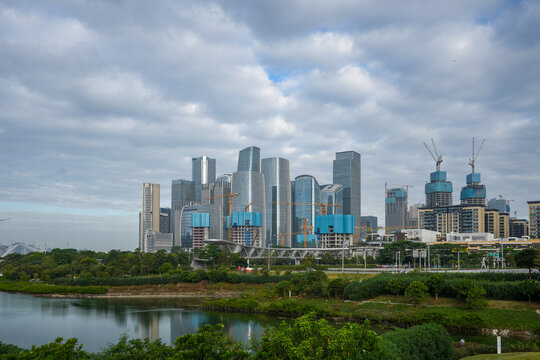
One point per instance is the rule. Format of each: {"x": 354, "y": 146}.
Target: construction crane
{"x": 227, "y": 196}
{"x": 322, "y": 205}
{"x": 474, "y": 157}
{"x": 249, "y": 205}
{"x": 360, "y": 227}
{"x": 438, "y": 159}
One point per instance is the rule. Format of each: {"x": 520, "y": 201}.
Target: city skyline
{"x": 94, "y": 103}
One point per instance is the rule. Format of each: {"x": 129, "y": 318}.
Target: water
{"x": 27, "y": 320}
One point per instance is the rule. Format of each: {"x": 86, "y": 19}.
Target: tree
{"x": 210, "y": 342}
{"x": 136, "y": 349}
{"x": 165, "y": 268}
{"x": 525, "y": 259}
{"x": 309, "y": 261}
{"x": 396, "y": 286}
{"x": 417, "y": 292}
{"x": 529, "y": 288}
{"x": 436, "y": 284}
{"x": 476, "y": 297}
{"x": 53, "y": 350}
{"x": 336, "y": 287}
{"x": 308, "y": 338}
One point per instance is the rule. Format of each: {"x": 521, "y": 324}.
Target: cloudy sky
{"x": 97, "y": 97}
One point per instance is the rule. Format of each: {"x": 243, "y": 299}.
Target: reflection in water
{"x": 27, "y": 320}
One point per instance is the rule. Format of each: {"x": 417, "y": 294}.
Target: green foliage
{"x": 8, "y": 349}
{"x": 428, "y": 341}
{"x": 36, "y": 288}
{"x": 336, "y": 287}
{"x": 309, "y": 261}
{"x": 232, "y": 304}
{"x": 209, "y": 343}
{"x": 136, "y": 349}
{"x": 476, "y": 297}
{"x": 462, "y": 287}
{"x": 282, "y": 288}
{"x": 525, "y": 259}
{"x": 68, "y": 350}
{"x": 529, "y": 288}
{"x": 396, "y": 286}
{"x": 436, "y": 284}
{"x": 24, "y": 276}
{"x": 308, "y": 338}
{"x": 416, "y": 292}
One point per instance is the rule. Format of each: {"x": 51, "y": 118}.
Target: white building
{"x": 156, "y": 241}
{"x": 421, "y": 235}
{"x": 459, "y": 237}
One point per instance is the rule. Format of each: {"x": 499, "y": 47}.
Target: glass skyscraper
{"x": 332, "y": 195}
{"x": 149, "y": 217}
{"x": 185, "y": 228}
{"x": 182, "y": 194}
{"x": 249, "y": 159}
{"x": 203, "y": 170}
{"x": 277, "y": 181}
{"x": 306, "y": 190}
{"x": 346, "y": 171}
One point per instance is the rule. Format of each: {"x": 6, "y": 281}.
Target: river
{"x": 26, "y": 320}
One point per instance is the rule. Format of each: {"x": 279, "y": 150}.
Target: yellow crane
{"x": 322, "y": 205}
{"x": 227, "y": 196}
{"x": 248, "y": 206}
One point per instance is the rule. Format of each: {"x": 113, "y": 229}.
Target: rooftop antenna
{"x": 438, "y": 159}
{"x": 474, "y": 157}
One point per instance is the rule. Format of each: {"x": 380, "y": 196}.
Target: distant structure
{"x": 500, "y": 204}
{"x": 519, "y": 228}
{"x": 474, "y": 192}
{"x": 156, "y": 241}
{"x": 249, "y": 183}
{"x": 346, "y": 172}
{"x": 438, "y": 190}
{"x": 17, "y": 248}
{"x": 307, "y": 196}
{"x": 534, "y": 219}
{"x": 203, "y": 170}
{"x": 334, "y": 230}
{"x": 453, "y": 219}
{"x": 165, "y": 220}
{"x": 182, "y": 194}
{"x": 277, "y": 181}
{"x": 332, "y": 195}
{"x": 412, "y": 219}
{"x": 149, "y": 215}
{"x": 215, "y": 193}
{"x": 396, "y": 207}
{"x": 247, "y": 228}
{"x": 225, "y": 178}
{"x": 190, "y": 226}
{"x": 369, "y": 222}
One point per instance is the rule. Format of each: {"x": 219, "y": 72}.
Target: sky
{"x": 97, "y": 97}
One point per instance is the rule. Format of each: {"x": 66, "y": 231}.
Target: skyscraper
{"x": 438, "y": 190}
{"x": 248, "y": 182}
{"x": 346, "y": 172}
{"x": 277, "y": 181}
{"x": 307, "y": 195}
{"x": 332, "y": 195}
{"x": 249, "y": 159}
{"x": 182, "y": 194}
{"x": 214, "y": 193}
{"x": 149, "y": 218}
{"x": 396, "y": 207}
{"x": 473, "y": 192}
{"x": 203, "y": 170}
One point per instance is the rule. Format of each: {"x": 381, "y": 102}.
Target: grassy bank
{"x": 37, "y": 288}
{"x": 512, "y": 356}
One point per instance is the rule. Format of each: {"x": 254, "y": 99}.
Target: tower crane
{"x": 474, "y": 156}
{"x": 322, "y": 205}
{"x": 227, "y": 196}
{"x": 249, "y": 205}
{"x": 438, "y": 159}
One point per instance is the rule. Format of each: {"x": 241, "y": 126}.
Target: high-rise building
{"x": 182, "y": 194}
{"x": 473, "y": 192}
{"x": 412, "y": 219}
{"x": 455, "y": 218}
{"x": 307, "y": 196}
{"x": 277, "y": 181}
{"x": 504, "y": 225}
{"x": 534, "y": 219}
{"x": 225, "y": 178}
{"x": 334, "y": 230}
{"x": 438, "y": 190}
{"x": 149, "y": 218}
{"x": 164, "y": 220}
{"x": 346, "y": 172}
{"x": 247, "y": 228}
{"x": 156, "y": 241}
{"x": 500, "y": 204}
{"x": 369, "y": 222}
{"x": 248, "y": 182}
{"x": 203, "y": 170}
{"x": 188, "y": 230}
{"x": 492, "y": 222}
{"x": 249, "y": 159}
{"x": 396, "y": 207}
{"x": 215, "y": 193}
{"x": 519, "y": 228}
{"x": 332, "y": 195}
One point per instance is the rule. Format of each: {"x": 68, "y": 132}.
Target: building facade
{"x": 499, "y": 204}
{"x": 156, "y": 241}
{"x": 307, "y": 195}
{"x": 164, "y": 220}
{"x": 149, "y": 216}
{"x": 203, "y": 171}
{"x": 215, "y": 230}
{"x": 396, "y": 207}
{"x": 534, "y": 219}
{"x": 438, "y": 191}
{"x": 332, "y": 195}
{"x": 334, "y": 231}
{"x": 277, "y": 181}
{"x": 473, "y": 192}
{"x": 249, "y": 159}
{"x": 247, "y": 228}
{"x": 347, "y": 172}
{"x": 492, "y": 222}
{"x": 182, "y": 194}
{"x": 370, "y": 222}
{"x": 215, "y": 193}
{"x": 453, "y": 219}
{"x": 519, "y": 228}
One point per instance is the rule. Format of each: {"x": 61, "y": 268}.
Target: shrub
{"x": 417, "y": 292}
{"x": 476, "y": 297}
{"x": 336, "y": 287}
{"x": 396, "y": 286}
{"x": 193, "y": 277}
{"x": 428, "y": 341}
{"x": 436, "y": 283}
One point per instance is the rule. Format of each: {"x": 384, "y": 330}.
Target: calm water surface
{"x": 27, "y": 320}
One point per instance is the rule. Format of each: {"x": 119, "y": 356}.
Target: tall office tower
{"x": 293, "y": 218}
{"x": 149, "y": 218}
{"x": 203, "y": 170}
{"x": 534, "y": 219}
{"x": 164, "y": 220}
{"x": 473, "y": 193}
{"x": 396, "y": 207}
{"x": 412, "y": 218}
{"x": 248, "y": 182}
{"x": 182, "y": 194}
{"x": 214, "y": 193}
{"x": 500, "y": 204}
{"x": 438, "y": 190}
{"x": 277, "y": 180}
{"x": 225, "y": 178}
{"x": 249, "y": 159}
{"x": 332, "y": 195}
{"x": 307, "y": 196}
{"x": 190, "y": 227}
{"x": 369, "y": 222}
{"x": 346, "y": 171}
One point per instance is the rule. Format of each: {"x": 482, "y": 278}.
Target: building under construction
{"x": 395, "y": 207}
{"x": 334, "y": 231}
{"x": 247, "y": 228}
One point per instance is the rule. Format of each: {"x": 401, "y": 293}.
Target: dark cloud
{"x": 98, "y": 97}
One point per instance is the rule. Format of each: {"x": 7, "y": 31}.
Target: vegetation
{"x": 36, "y": 288}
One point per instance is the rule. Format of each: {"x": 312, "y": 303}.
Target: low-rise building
{"x": 462, "y": 237}
{"x": 421, "y": 235}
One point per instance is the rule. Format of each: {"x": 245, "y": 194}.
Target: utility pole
{"x": 429, "y": 263}
{"x": 458, "y": 260}
{"x": 343, "y": 258}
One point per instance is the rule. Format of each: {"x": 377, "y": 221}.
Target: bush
{"x": 428, "y": 341}
{"x": 476, "y": 297}
{"x": 396, "y": 286}
{"x": 436, "y": 284}
{"x": 336, "y": 287}
{"x": 417, "y": 292}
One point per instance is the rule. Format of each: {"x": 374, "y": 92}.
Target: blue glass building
{"x": 438, "y": 190}
{"x": 306, "y": 190}
{"x": 182, "y": 194}
{"x": 203, "y": 170}
{"x": 333, "y": 196}
{"x": 346, "y": 172}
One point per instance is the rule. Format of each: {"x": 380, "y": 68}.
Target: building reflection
{"x": 149, "y": 325}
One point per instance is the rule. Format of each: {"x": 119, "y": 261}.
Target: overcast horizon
{"x": 97, "y": 97}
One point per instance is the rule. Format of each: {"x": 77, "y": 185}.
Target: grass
{"x": 346, "y": 276}
{"x": 509, "y": 356}
{"x": 42, "y": 289}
